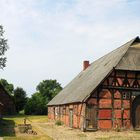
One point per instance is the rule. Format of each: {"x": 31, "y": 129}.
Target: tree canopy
{"x": 3, "y": 48}
{"x": 46, "y": 90}
{"x": 8, "y": 86}
{"x": 36, "y": 105}
{"x": 19, "y": 98}
{"x": 18, "y": 95}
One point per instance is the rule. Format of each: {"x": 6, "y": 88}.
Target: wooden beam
{"x": 130, "y": 108}
{"x": 97, "y": 113}
{"x": 120, "y": 88}
{"x": 110, "y": 119}
{"x": 112, "y": 96}
{"x": 122, "y": 77}
{"x": 122, "y": 109}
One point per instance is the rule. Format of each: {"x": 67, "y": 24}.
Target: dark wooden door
{"x": 137, "y": 117}
{"x": 135, "y": 113}
{"x": 91, "y": 114}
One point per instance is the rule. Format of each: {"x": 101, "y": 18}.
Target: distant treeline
{"x": 37, "y": 103}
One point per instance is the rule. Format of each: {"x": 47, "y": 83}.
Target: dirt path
{"x": 66, "y": 133}
{"x": 61, "y": 132}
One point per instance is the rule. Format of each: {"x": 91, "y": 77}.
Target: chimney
{"x": 85, "y": 64}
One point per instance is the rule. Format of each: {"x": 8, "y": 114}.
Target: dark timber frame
{"x": 124, "y": 82}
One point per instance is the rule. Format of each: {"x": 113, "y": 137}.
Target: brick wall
{"x": 63, "y": 113}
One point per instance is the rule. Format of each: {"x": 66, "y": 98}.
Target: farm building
{"x": 7, "y": 106}
{"x": 1, "y": 110}
{"x": 105, "y": 95}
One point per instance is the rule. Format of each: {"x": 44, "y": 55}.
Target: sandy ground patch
{"x": 66, "y": 133}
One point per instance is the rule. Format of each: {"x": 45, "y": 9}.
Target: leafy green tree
{"x": 49, "y": 88}
{"x": 18, "y": 94}
{"x": 36, "y": 105}
{"x": 8, "y": 86}
{"x": 20, "y": 98}
{"x": 3, "y": 48}
{"x": 46, "y": 90}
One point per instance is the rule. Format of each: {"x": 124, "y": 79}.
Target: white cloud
{"x": 50, "y": 39}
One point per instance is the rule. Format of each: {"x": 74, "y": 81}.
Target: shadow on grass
{"x": 7, "y": 128}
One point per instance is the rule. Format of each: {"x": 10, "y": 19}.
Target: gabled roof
{"x": 5, "y": 90}
{"x": 126, "y": 57}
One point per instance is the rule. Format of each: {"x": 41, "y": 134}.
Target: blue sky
{"x": 49, "y": 39}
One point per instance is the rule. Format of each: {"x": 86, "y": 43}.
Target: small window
{"x": 126, "y": 95}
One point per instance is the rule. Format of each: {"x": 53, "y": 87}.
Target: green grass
{"x": 29, "y": 138}
{"x": 9, "y": 130}
{"x": 19, "y": 119}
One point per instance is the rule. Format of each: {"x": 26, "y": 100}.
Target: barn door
{"x": 91, "y": 121}
{"x": 135, "y": 113}
{"x": 71, "y": 118}
{"x": 137, "y": 117}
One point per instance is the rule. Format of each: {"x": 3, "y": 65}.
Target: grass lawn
{"x": 9, "y": 129}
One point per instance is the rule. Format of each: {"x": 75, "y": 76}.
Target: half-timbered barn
{"x": 105, "y": 95}
{"x": 7, "y": 105}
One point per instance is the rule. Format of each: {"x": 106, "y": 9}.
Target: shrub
{"x": 59, "y": 123}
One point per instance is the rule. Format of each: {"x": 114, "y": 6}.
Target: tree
{"x": 20, "y": 98}
{"x": 3, "y": 48}
{"x": 8, "y": 86}
{"x": 18, "y": 95}
{"x": 46, "y": 90}
{"x": 36, "y": 105}
{"x": 49, "y": 88}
